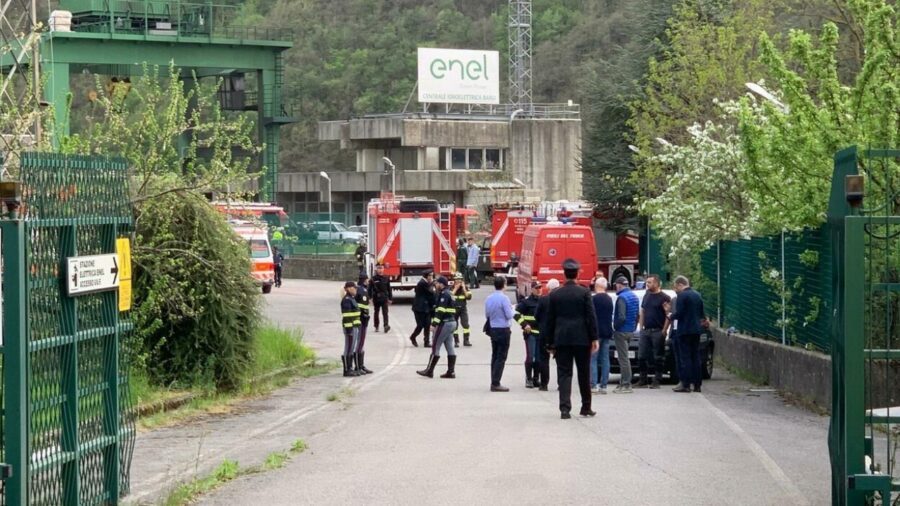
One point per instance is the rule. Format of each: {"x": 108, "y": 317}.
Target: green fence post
{"x": 15, "y": 361}
{"x": 853, "y": 356}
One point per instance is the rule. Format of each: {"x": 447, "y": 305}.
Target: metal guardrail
{"x": 501, "y": 112}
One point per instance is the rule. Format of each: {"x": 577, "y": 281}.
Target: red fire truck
{"x": 413, "y": 235}
{"x": 617, "y": 254}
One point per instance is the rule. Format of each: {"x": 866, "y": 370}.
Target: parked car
{"x": 362, "y": 229}
{"x": 707, "y": 350}
{"x": 335, "y": 231}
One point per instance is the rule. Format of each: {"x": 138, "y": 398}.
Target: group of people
{"x": 361, "y": 300}
{"x": 568, "y": 322}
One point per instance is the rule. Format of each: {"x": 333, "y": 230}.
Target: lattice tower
{"x": 520, "y": 72}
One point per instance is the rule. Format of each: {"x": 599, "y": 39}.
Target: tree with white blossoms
{"x": 706, "y": 198}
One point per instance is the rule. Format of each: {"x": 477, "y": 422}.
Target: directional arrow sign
{"x": 90, "y": 274}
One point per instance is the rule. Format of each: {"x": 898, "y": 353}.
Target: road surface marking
{"x": 796, "y": 497}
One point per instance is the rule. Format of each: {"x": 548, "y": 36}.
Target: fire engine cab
{"x": 412, "y": 235}
{"x": 617, "y": 254}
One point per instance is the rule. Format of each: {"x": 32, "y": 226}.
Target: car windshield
{"x": 339, "y": 227}
{"x": 259, "y": 248}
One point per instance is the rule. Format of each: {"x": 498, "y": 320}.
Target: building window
{"x": 474, "y": 158}
{"x": 458, "y": 159}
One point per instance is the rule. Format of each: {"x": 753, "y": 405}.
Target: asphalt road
{"x": 396, "y": 438}
{"x": 403, "y": 439}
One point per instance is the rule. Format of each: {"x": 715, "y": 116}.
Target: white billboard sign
{"x": 459, "y": 76}
{"x": 91, "y": 274}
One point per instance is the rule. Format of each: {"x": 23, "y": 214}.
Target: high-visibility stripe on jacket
{"x": 445, "y": 309}
{"x": 525, "y": 314}
{"x": 350, "y": 313}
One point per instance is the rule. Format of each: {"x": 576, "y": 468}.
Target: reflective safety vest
{"x": 350, "y": 314}
{"x": 445, "y": 311}
{"x": 525, "y": 311}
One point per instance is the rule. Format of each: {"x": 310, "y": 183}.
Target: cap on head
{"x": 442, "y": 280}
{"x": 535, "y": 284}
{"x": 622, "y": 280}
{"x": 570, "y": 264}
{"x": 349, "y": 284}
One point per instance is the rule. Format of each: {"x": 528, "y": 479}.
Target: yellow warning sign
{"x": 123, "y": 250}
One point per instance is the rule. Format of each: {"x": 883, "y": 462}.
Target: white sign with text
{"x": 90, "y": 274}
{"x": 459, "y": 76}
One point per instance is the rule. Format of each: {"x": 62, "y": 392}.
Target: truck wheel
{"x": 621, "y": 271}
{"x": 708, "y": 363}
{"x": 267, "y": 288}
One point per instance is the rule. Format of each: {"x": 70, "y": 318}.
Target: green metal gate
{"x": 863, "y": 217}
{"x": 68, "y": 427}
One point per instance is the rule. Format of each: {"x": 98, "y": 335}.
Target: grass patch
{"x": 229, "y": 470}
{"x": 187, "y": 493}
{"x": 279, "y": 356}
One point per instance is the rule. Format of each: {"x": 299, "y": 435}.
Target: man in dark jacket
{"x": 462, "y": 255}
{"x": 360, "y": 255}
{"x": 525, "y": 316}
{"x": 540, "y": 314}
{"x": 423, "y": 305}
{"x": 572, "y": 326}
{"x": 381, "y": 296}
{"x": 689, "y": 318}
{"x": 603, "y": 308}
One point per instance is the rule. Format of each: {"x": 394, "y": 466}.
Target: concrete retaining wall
{"x": 799, "y": 372}
{"x": 324, "y": 268}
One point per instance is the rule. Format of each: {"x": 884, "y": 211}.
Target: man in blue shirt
{"x": 473, "y": 252}
{"x": 624, "y": 324}
{"x": 499, "y": 312}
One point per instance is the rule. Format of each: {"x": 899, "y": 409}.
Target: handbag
{"x": 487, "y": 327}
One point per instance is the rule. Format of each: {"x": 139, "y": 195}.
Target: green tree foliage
{"x": 711, "y": 54}
{"x": 629, "y": 37}
{"x": 790, "y": 150}
{"x": 195, "y": 303}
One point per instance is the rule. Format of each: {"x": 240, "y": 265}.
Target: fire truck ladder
{"x": 446, "y": 263}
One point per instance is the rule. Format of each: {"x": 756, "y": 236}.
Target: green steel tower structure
{"x": 116, "y": 37}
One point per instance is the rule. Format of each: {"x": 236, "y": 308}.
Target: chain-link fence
{"x": 318, "y": 234}
{"x": 776, "y": 287}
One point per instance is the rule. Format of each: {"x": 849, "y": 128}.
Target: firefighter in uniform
{"x": 350, "y": 320}
{"x": 461, "y": 295}
{"x": 360, "y": 254}
{"x": 362, "y": 301}
{"x": 444, "y": 323}
{"x": 423, "y": 307}
{"x": 525, "y": 317}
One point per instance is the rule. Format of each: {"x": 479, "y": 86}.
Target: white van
{"x": 262, "y": 263}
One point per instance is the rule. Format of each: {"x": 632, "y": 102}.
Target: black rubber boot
{"x": 362, "y": 363}
{"x": 456, "y": 340}
{"x": 451, "y": 367}
{"x": 348, "y": 366}
{"x": 529, "y": 382}
{"x": 357, "y": 365}
{"x": 429, "y": 371}
{"x": 466, "y": 340}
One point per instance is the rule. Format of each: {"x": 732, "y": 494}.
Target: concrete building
{"x": 470, "y": 158}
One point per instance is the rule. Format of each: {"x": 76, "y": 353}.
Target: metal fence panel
{"x": 80, "y": 427}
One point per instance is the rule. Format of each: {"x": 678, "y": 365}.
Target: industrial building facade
{"x": 471, "y": 159}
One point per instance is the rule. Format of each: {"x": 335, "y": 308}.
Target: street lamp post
{"x": 393, "y": 174}
{"x": 323, "y": 174}
{"x": 769, "y": 96}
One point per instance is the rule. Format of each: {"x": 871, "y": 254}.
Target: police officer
{"x": 525, "y": 316}
{"x": 362, "y": 301}
{"x": 423, "y": 305}
{"x": 461, "y": 295}
{"x": 572, "y": 328}
{"x": 381, "y": 295}
{"x": 444, "y": 323}
{"x": 350, "y": 321}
